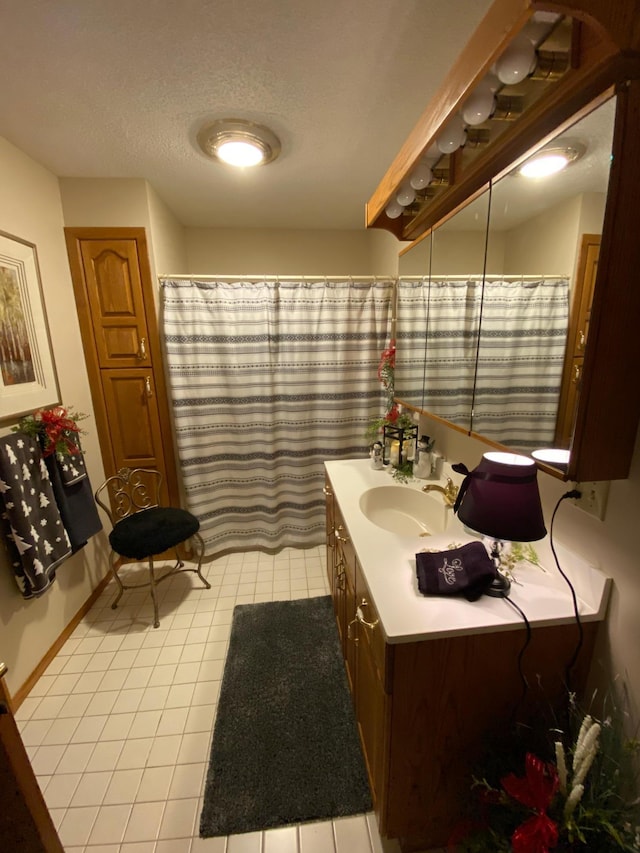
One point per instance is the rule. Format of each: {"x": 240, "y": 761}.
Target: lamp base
{"x": 499, "y": 587}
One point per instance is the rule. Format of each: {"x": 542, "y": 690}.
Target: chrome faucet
{"x": 449, "y": 491}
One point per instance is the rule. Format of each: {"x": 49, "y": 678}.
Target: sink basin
{"x": 405, "y": 511}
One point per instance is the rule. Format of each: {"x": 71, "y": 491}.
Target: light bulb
{"x": 452, "y": 136}
{"x": 406, "y": 194}
{"x": 393, "y": 209}
{"x": 479, "y": 106}
{"x": 421, "y": 176}
{"x": 543, "y": 165}
{"x": 240, "y": 153}
{"x": 516, "y": 62}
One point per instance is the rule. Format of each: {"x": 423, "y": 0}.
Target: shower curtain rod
{"x": 470, "y": 277}
{"x": 279, "y": 277}
{"x": 497, "y": 277}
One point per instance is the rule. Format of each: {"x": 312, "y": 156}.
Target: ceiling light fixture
{"x": 548, "y": 161}
{"x": 238, "y": 142}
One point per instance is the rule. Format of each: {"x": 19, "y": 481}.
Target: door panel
{"x": 117, "y": 306}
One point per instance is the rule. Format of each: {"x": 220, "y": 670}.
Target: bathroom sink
{"x": 405, "y": 511}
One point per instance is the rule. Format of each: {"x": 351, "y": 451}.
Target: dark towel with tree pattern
{"x": 36, "y": 538}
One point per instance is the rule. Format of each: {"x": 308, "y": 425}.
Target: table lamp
{"x": 500, "y": 499}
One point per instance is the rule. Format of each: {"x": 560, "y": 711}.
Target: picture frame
{"x": 28, "y": 378}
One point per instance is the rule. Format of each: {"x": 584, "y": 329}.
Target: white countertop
{"x": 388, "y": 563}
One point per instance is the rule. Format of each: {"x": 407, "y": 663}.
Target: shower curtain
{"x": 520, "y": 361}
{"x": 269, "y": 378}
{"x": 437, "y": 345}
{"x": 512, "y": 395}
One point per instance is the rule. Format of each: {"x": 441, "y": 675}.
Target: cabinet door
{"x": 372, "y": 701}
{"x": 134, "y": 422}
{"x": 114, "y": 290}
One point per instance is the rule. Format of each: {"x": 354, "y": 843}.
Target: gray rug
{"x": 285, "y": 744}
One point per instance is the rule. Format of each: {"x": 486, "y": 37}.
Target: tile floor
{"x": 118, "y": 729}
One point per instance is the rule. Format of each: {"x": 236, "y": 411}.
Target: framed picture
{"x": 28, "y": 378}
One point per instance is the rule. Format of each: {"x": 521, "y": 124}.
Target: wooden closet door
{"x": 117, "y": 312}
{"x": 577, "y": 333}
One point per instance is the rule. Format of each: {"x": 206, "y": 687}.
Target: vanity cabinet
{"x": 426, "y": 709}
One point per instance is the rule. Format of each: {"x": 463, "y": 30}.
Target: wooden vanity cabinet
{"x": 426, "y": 710}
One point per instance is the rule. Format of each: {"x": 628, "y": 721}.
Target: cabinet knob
{"x": 577, "y": 372}
{"x": 142, "y": 349}
{"x": 338, "y": 531}
{"x": 327, "y": 491}
{"x": 581, "y": 339}
{"x": 147, "y": 386}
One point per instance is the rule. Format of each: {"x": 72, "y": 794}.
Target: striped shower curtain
{"x": 514, "y": 330}
{"x": 437, "y": 339}
{"x": 520, "y": 361}
{"x": 269, "y": 378}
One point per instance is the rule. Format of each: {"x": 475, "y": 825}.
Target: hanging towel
{"x": 74, "y": 497}
{"x": 36, "y": 537}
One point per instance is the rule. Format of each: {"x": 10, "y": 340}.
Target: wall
{"x": 237, "y": 251}
{"x": 30, "y": 208}
{"x": 610, "y": 545}
{"x": 548, "y": 244}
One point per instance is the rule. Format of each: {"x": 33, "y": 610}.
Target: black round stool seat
{"x": 152, "y": 531}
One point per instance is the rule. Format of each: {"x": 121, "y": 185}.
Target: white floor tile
{"x": 352, "y": 835}
{"x": 123, "y": 786}
{"x": 209, "y": 845}
{"x": 173, "y": 845}
{"x": 179, "y": 818}
{"x": 110, "y": 824}
{"x": 281, "y": 840}
{"x": 317, "y": 838}
{"x": 60, "y": 789}
{"x": 187, "y": 781}
{"x": 76, "y": 825}
{"x": 91, "y": 791}
{"x": 155, "y": 784}
{"x": 144, "y": 822}
{"x": 249, "y": 842}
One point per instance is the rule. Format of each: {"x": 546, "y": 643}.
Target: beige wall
{"x": 30, "y": 208}
{"x": 237, "y": 251}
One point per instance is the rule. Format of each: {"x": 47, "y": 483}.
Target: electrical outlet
{"x": 593, "y": 498}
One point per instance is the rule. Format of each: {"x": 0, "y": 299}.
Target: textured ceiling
{"x": 120, "y": 89}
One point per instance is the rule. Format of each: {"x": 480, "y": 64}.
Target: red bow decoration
{"x": 388, "y": 358}
{"x": 536, "y": 791}
{"x": 57, "y": 426}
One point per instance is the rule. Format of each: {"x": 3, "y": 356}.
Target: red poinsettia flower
{"x": 535, "y": 790}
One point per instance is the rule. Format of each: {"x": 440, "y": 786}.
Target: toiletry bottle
{"x": 437, "y": 466}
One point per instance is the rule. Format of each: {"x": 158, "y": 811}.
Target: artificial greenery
{"x": 392, "y": 414}
{"x": 570, "y": 787}
{"x": 55, "y": 428}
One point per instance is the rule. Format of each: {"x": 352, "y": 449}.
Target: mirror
{"x": 534, "y": 295}
{"x": 438, "y": 316}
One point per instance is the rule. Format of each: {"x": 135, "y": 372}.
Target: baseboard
{"x": 23, "y": 691}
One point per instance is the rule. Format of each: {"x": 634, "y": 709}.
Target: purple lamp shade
{"x": 500, "y": 498}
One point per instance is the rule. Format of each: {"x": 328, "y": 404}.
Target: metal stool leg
{"x": 152, "y": 583}
{"x": 200, "y": 550}
{"x": 112, "y": 566}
